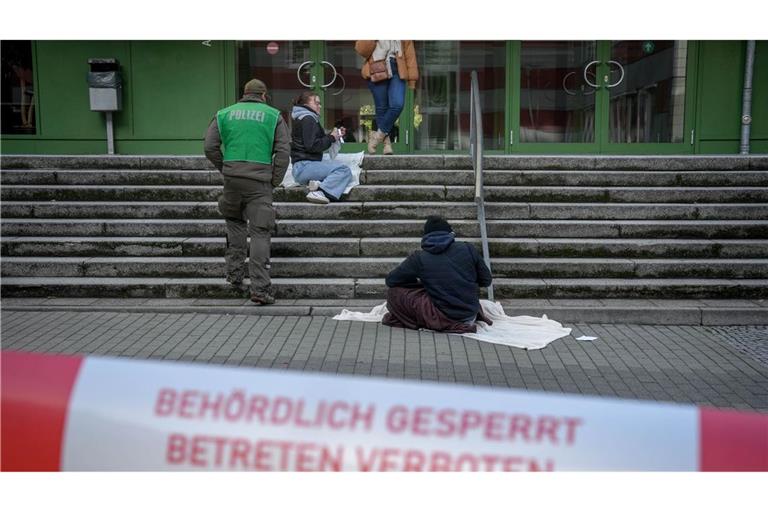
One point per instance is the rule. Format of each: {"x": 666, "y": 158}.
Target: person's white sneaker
{"x": 313, "y": 185}
{"x": 316, "y": 196}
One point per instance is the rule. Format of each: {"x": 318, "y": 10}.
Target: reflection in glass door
{"x": 557, "y": 91}
{"x": 282, "y": 65}
{"x": 347, "y": 100}
{"x": 647, "y": 85}
{"x": 441, "y": 106}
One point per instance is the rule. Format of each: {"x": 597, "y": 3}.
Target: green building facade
{"x": 538, "y": 97}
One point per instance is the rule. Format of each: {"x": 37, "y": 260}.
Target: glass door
{"x": 619, "y": 97}
{"x": 347, "y": 101}
{"x": 539, "y": 97}
{"x": 285, "y": 66}
{"x": 646, "y": 86}
{"x": 441, "y": 111}
{"x": 329, "y": 68}
{"x": 555, "y": 102}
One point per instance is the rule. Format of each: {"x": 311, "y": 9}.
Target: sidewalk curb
{"x": 563, "y": 314}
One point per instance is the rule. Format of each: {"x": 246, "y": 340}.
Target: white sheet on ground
{"x": 527, "y": 332}
{"x": 353, "y": 160}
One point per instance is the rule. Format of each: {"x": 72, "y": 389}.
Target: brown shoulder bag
{"x": 379, "y": 71}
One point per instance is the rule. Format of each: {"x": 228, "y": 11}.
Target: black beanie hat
{"x": 436, "y": 223}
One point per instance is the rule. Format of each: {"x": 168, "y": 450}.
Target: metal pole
{"x": 484, "y": 240}
{"x": 746, "y": 106}
{"x": 110, "y": 134}
{"x": 476, "y": 153}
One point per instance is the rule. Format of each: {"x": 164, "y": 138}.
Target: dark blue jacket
{"x": 450, "y": 272}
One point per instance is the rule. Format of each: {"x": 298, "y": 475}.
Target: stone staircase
{"x": 559, "y": 227}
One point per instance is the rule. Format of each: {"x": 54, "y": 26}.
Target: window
{"x": 18, "y": 91}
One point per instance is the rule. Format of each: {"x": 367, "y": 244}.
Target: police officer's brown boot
{"x": 374, "y": 139}
{"x": 262, "y": 298}
{"x": 387, "y": 146}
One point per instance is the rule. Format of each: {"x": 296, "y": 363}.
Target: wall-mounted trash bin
{"x": 105, "y": 85}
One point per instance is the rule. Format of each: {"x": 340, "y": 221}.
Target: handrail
{"x": 476, "y": 154}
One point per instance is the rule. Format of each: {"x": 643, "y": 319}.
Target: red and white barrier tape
{"x": 93, "y": 413}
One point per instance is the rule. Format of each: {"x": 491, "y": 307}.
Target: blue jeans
{"x": 388, "y": 97}
{"x": 333, "y": 176}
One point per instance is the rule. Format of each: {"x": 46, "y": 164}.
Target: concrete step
{"x": 211, "y": 193}
{"x": 181, "y": 209}
{"x": 571, "y": 162}
{"x": 389, "y": 247}
{"x": 607, "y": 288}
{"x": 452, "y": 162}
{"x": 585, "y": 247}
{"x": 601, "y": 178}
{"x": 572, "y": 178}
{"x": 617, "y": 194}
{"x": 320, "y": 267}
{"x": 118, "y": 162}
{"x": 374, "y": 288}
{"x": 193, "y": 267}
{"x": 388, "y": 210}
{"x": 606, "y": 311}
{"x": 535, "y": 228}
{"x": 729, "y": 229}
{"x": 170, "y": 246}
{"x": 168, "y": 288}
{"x": 110, "y": 177}
{"x": 400, "y": 193}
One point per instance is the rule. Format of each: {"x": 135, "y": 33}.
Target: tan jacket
{"x": 407, "y": 67}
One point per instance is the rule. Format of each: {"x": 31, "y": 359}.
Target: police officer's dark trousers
{"x": 247, "y": 207}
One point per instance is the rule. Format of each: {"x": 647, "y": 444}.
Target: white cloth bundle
{"x": 528, "y": 332}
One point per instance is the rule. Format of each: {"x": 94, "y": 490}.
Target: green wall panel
{"x": 54, "y": 147}
{"x": 173, "y": 88}
{"x": 719, "y": 147}
{"x": 177, "y": 87}
{"x": 760, "y": 92}
{"x": 758, "y": 147}
{"x": 63, "y": 91}
{"x": 721, "y": 79}
{"x": 99, "y": 147}
{"x": 161, "y": 147}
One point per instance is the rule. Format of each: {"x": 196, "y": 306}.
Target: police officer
{"x": 256, "y": 153}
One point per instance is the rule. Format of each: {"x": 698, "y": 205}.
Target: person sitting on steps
{"x": 326, "y": 180}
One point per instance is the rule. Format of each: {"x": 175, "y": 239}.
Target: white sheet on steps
{"x": 527, "y": 332}
{"x": 353, "y": 160}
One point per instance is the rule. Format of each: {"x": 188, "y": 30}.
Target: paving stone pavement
{"x": 752, "y": 341}
{"x": 724, "y": 367}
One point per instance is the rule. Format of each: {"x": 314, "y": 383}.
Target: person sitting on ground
{"x": 326, "y": 180}
{"x": 437, "y": 288}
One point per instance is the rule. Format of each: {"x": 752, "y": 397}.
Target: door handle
{"x": 343, "y": 85}
{"x": 335, "y": 74}
{"x": 565, "y": 87}
{"x": 585, "y": 73}
{"x": 298, "y": 73}
{"x": 621, "y": 78}
{"x": 568, "y": 91}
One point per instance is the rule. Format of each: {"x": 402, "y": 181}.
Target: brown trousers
{"x": 247, "y": 207}
{"x": 412, "y": 308}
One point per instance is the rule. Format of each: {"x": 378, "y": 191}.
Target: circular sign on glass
{"x": 272, "y": 48}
